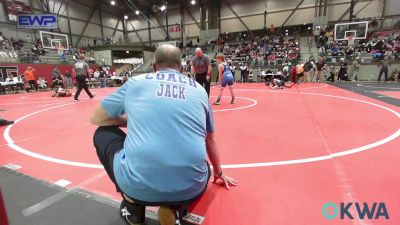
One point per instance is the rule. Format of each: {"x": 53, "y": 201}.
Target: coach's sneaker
{"x": 133, "y": 214}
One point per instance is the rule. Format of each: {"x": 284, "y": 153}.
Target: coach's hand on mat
{"x": 228, "y": 181}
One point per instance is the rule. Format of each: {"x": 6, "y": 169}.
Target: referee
{"x": 81, "y": 72}
{"x": 202, "y": 68}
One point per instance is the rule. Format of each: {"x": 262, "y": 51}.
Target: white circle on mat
{"x": 396, "y": 134}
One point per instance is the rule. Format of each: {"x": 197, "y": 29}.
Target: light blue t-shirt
{"x": 164, "y": 155}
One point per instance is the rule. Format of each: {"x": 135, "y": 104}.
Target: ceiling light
{"x": 193, "y": 2}
{"x": 112, "y": 2}
{"x": 137, "y": 12}
{"x": 163, "y": 8}
{"x": 126, "y": 17}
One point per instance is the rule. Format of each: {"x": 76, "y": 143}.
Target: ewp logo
{"x": 34, "y": 21}
{"x": 330, "y": 210}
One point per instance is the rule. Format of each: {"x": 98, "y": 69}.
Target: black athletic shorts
{"x": 108, "y": 141}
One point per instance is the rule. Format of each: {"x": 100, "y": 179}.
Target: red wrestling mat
{"x": 292, "y": 151}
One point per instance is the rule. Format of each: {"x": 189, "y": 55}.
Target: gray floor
{"x": 33, "y": 202}
{"x": 369, "y": 88}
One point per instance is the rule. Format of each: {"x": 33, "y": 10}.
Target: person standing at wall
{"x": 384, "y": 68}
{"x": 30, "y": 78}
{"x": 342, "y": 70}
{"x": 320, "y": 69}
{"x": 68, "y": 79}
{"x": 243, "y": 73}
{"x": 355, "y": 69}
{"x": 332, "y": 72}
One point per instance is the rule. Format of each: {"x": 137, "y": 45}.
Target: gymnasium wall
{"x": 251, "y": 12}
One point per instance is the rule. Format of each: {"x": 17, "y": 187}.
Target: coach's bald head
{"x": 198, "y": 52}
{"x": 168, "y": 56}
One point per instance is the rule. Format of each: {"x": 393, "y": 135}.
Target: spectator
{"x": 68, "y": 79}
{"x": 30, "y": 78}
{"x": 332, "y": 71}
{"x": 2, "y": 88}
{"x": 307, "y": 71}
{"x": 272, "y": 29}
{"x": 72, "y": 49}
{"x": 293, "y": 73}
{"x": 55, "y": 72}
{"x": 320, "y": 68}
{"x": 63, "y": 57}
{"x": 103, "y": 78}
{"x": 355, "y": 69}
{"x": 384, "y": 68}
{"x": 243, "y": 73}
{"x": 57, "y": 79}
{"x": 395, "y": 76}
{"x": 272, "y": 59}
{"x": 334, "y": 50}
{"x": 343, "y": 70}
{"x": 42, "y": 83}
{"x": 299, "y": 72}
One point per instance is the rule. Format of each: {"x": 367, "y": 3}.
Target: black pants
{"x": 243, "y": 77}
{"x": 202, "y": 80}
{"x": 82, "y": 85}
{"x": 33, "y": 84}
{"x": 2, "y": 89}
{"x": 108, "y": 141}
{"x": 385, "y": 71}
{"x": 342, "y": 75}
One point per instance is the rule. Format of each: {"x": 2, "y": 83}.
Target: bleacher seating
{"x": 270, "y": 50}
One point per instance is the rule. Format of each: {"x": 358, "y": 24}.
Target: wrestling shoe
{"x": 5, "y": 122}
{"x": 133, "y": 214}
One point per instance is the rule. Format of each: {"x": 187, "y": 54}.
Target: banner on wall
{"x": 37, "y": 21}
{"x": 13, "y": 8}
{"x": 174, "y": 28}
